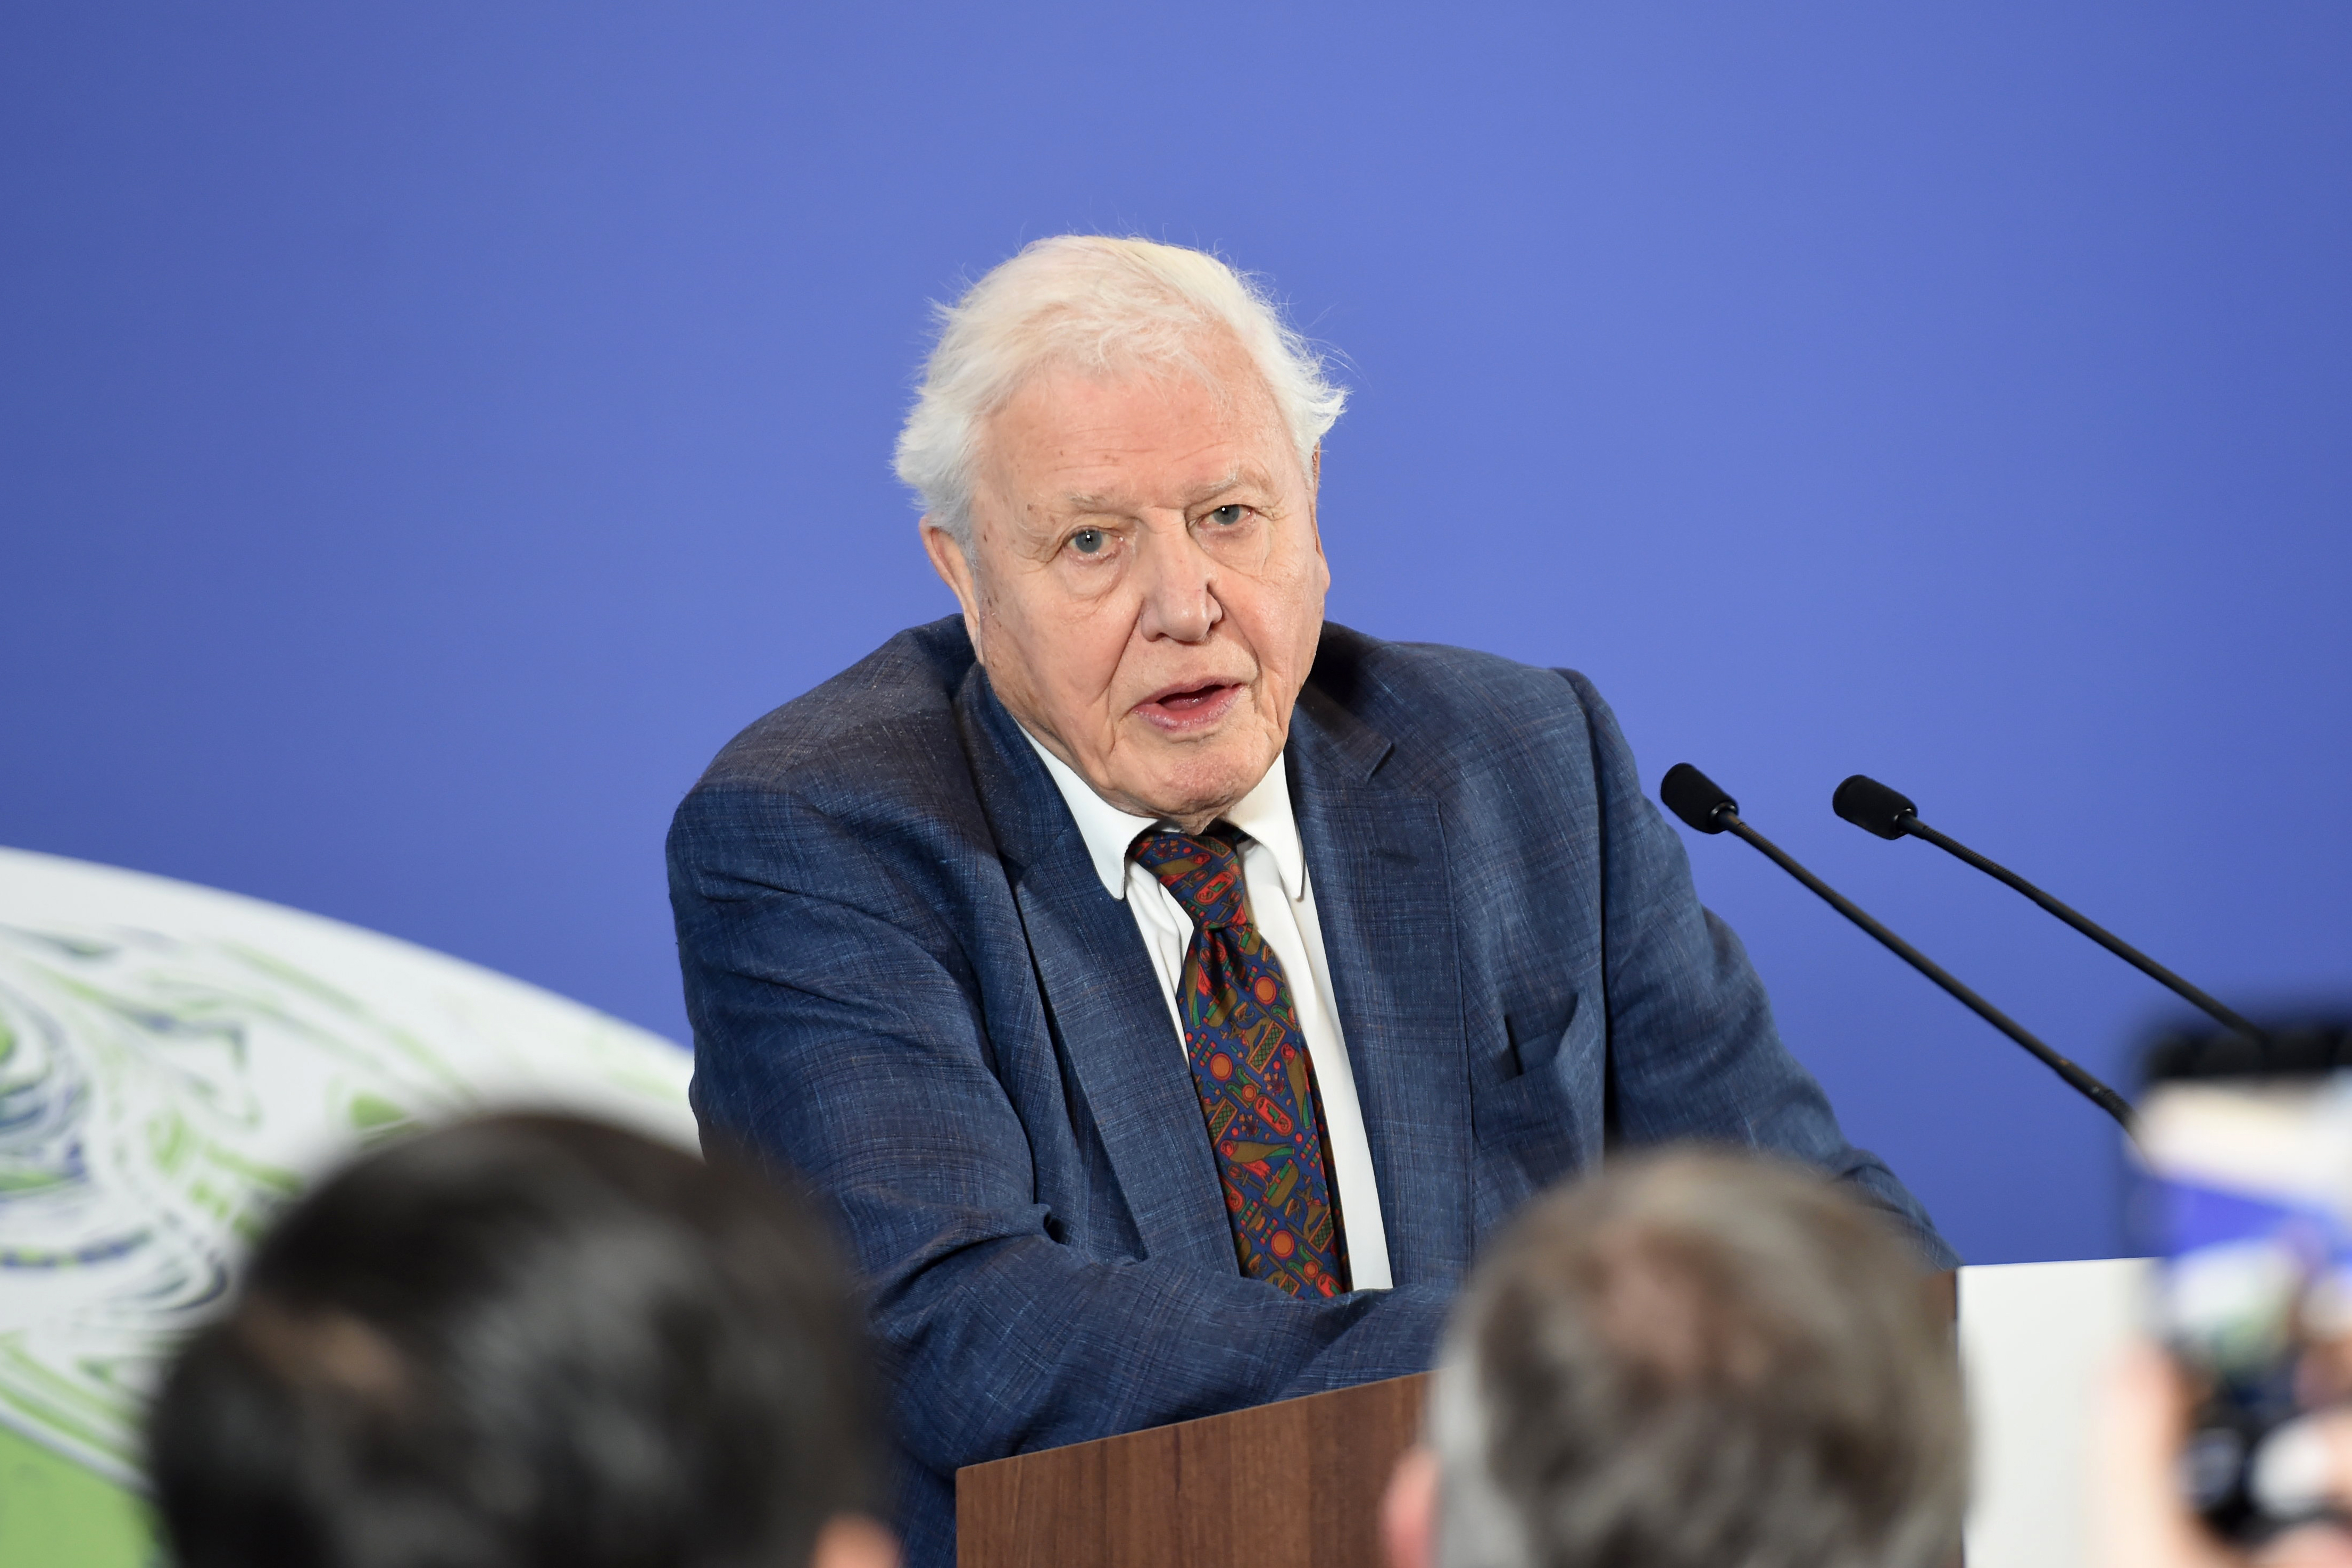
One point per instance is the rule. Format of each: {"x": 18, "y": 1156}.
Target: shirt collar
{"x": 1264, "y": 814}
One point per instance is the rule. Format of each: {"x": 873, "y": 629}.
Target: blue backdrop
{"x": 426, "y": 432}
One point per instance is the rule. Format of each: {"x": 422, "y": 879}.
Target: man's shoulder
{"x": 886, "y": 729}
{"x": 889, "y": 718}
{"x": 1428, "y": 695}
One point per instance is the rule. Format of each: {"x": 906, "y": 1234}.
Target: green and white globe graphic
{"x": 175, "y": 1063}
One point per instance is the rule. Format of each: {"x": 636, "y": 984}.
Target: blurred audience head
{"x": 1690, "y": 1361}
{"x": 527, "y": 1342}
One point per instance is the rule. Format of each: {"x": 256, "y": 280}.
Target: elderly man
{"x": 1169, "y": 987}
{"x": 1690, "y": 1362}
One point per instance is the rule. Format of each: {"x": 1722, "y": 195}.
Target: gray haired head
{"x": 1700, "y": 1361}
{"x": 1103, "y": 305}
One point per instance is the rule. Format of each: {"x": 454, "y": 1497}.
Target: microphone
{"x": 1701, "y": 802}
{"x": 1875, "y": 809}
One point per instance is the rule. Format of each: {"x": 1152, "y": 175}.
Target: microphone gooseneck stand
{"x": 1875, "y": 809}
{"x": 1700, "y": 803}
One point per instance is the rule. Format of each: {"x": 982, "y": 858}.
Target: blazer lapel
{"x": 1384, "y": 899}
{"x": 1102, "y": 1000}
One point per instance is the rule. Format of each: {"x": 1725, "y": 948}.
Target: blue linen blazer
{"x": 908, "y": 984}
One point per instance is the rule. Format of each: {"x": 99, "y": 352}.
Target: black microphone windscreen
{"x": 1873, "y": 807}
{"x": 1696, "y": 799}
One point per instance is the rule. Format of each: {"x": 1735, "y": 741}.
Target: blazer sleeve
{"x": 1693, "y": 1053}
{"x": 840, "y": 1033}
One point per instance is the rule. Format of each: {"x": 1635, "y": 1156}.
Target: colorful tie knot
{"x": 1204, "y": 873}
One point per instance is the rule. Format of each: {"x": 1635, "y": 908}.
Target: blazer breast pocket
{"x": 1532, "y": 1118}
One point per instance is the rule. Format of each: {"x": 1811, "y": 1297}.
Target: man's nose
{"x": 1179, "y": 582}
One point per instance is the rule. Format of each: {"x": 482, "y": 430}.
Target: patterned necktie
{"x": 1251, "y": 1067}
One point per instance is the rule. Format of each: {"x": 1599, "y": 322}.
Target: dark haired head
{"x": 523, "y": 1341}
{"x": 1694, "y": 1360}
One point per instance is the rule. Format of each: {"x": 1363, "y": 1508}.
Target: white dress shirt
{"x": 1282, "y": 907}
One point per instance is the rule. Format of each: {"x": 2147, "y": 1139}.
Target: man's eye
{"x": 1226, "y": 515}
{"x": 1089, "y": 541}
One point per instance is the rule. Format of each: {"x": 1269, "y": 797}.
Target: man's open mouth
{"x": 1186, "y": 708}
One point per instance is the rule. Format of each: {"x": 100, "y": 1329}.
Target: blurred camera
{"x": 2242, "y": 1191}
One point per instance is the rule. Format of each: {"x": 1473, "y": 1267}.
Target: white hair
{"x": 1100, "y": 304}
{"x": 1692, "y": 1360}
{"x": 1477, "y": 1526}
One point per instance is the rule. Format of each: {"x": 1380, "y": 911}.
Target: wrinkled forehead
{"x": 1090, "y": 432}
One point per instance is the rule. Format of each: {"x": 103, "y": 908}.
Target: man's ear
{"x": 853, "y": 1541}
{"x": 1314, "y": 500}
{"x": 955, "y": 566}
{"x": 1408, "y": 1510}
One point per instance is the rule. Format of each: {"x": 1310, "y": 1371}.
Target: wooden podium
{"x": 1222, "y": 1491}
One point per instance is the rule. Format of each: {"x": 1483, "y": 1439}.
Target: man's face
{"x": 1146, "y": 584}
